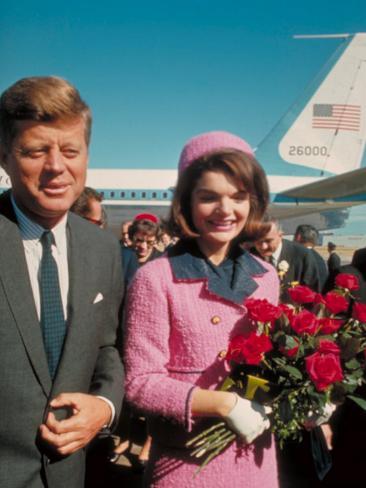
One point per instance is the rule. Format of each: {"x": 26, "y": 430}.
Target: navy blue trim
{"x": 188, "y": 263}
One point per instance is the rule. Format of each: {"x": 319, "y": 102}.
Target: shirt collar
{"x": 277, "y": 253}
{"x": 31, "y": 231}
{"x": 188, "y": 263}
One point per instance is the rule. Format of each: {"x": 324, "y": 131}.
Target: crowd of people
{"x": 95, "y": 332}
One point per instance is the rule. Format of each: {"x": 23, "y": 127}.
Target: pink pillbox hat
{"x": 210, "y": 142}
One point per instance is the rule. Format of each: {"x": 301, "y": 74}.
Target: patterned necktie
{"x": 52, "y": 314}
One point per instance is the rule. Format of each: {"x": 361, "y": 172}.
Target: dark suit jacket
{"x": 322, "y": 268}
{"x": 130, "y": 264}
{"x": 90, "y": 362}
{"x": 359, "y": 260}
{"x": 302, "y": 267}
{"x": 334, "y": 263}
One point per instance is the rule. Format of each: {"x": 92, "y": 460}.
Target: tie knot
{"x": 47, "y": 239}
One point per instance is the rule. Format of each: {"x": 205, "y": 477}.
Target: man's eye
{"x": 70, "y": 153}
{"x": 32, "y": 153}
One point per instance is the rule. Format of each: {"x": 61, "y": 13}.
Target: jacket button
{"x": 215, "y": 320}
{"x": 222, "y": 354}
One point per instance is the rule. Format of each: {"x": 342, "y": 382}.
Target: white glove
{"x": 248, "y": 419}
{"x": 316, "y": 419}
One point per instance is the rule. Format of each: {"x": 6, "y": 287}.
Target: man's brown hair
{"x": 40, "y": 99}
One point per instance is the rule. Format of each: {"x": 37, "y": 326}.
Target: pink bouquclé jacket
{"x": 176, "y": 328}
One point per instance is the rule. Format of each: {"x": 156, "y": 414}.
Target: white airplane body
{"x": 314, "y": 157}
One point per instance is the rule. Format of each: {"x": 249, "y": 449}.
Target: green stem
{"x": 216, "y": 452}
{"x": 204, "y": 433}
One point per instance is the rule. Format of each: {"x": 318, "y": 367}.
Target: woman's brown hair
{"x": 242, "y": 168}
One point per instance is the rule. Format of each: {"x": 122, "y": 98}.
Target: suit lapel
{"x": 15, "y": 279}
{"x": 285, "y": 252}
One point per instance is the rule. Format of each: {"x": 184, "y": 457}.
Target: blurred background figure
{"x": 89, "y": 206}
{"x": 308, "y": 236}
{"x": 144, "y": 234}
{"x": 166, "y": 237}
{"x": 125, "y": 239}
{"x": 293, "y": 261}
{"x": 334, "y": 261}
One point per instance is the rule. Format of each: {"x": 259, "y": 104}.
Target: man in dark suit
{"x": 334, "y": 261}
{"x": 308, "y": 236}
{"x": 60, "y": 291}
{"x": 294, "y": 262}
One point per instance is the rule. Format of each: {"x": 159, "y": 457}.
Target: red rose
{"x": 235, "y": 348}
{"x": 305, "y": 322}
{"x": 328, "y": 325}
{"x": 287, "y": 310}
{"x": 262, "y": 310}
{"x": 249, "y": 349}
{"x": 319, "y": 299}
{"x": 359, "y": 311}
{"x": 291, "y": 352}
{"x": 335, "y": 302}
{"x": 348, "y": 281}
{"x": 324, "y": 368}
{"x": 301, "y": 294}
{"x": 326, "y": 346}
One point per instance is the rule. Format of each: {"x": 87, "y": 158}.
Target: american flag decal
{"x": 336, "y": 116}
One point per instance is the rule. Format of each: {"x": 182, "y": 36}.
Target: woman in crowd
{"x": 144, "y": 234}
{"x": 183, "y": 309}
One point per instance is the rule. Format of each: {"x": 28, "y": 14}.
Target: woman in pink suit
{"x": 183, "y": 309}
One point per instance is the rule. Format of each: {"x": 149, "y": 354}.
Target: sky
{"x": 155, "y": 73}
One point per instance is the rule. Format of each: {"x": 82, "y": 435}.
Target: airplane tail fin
{"x": 323, "y": 133}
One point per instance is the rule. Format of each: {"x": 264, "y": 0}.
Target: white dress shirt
{"x": 31, "y": 235}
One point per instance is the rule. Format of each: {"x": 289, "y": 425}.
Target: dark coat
{"x": 302, "y": 267}
{"x": 334, "y": 263}
{"x": 322, "y": 268}
{"x": 90, "y": 362}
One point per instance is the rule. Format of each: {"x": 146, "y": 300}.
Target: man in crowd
{"x": 308, "y": 236}
{"x": 334, "y": 261}
{"x": 293, "y": 261}
{"x": 89, "y": 206}
{"x": 125, "y": 239}
{"x": 60, "y": 293}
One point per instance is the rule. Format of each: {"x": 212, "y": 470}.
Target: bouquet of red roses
{"x": 298, "y": 358}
